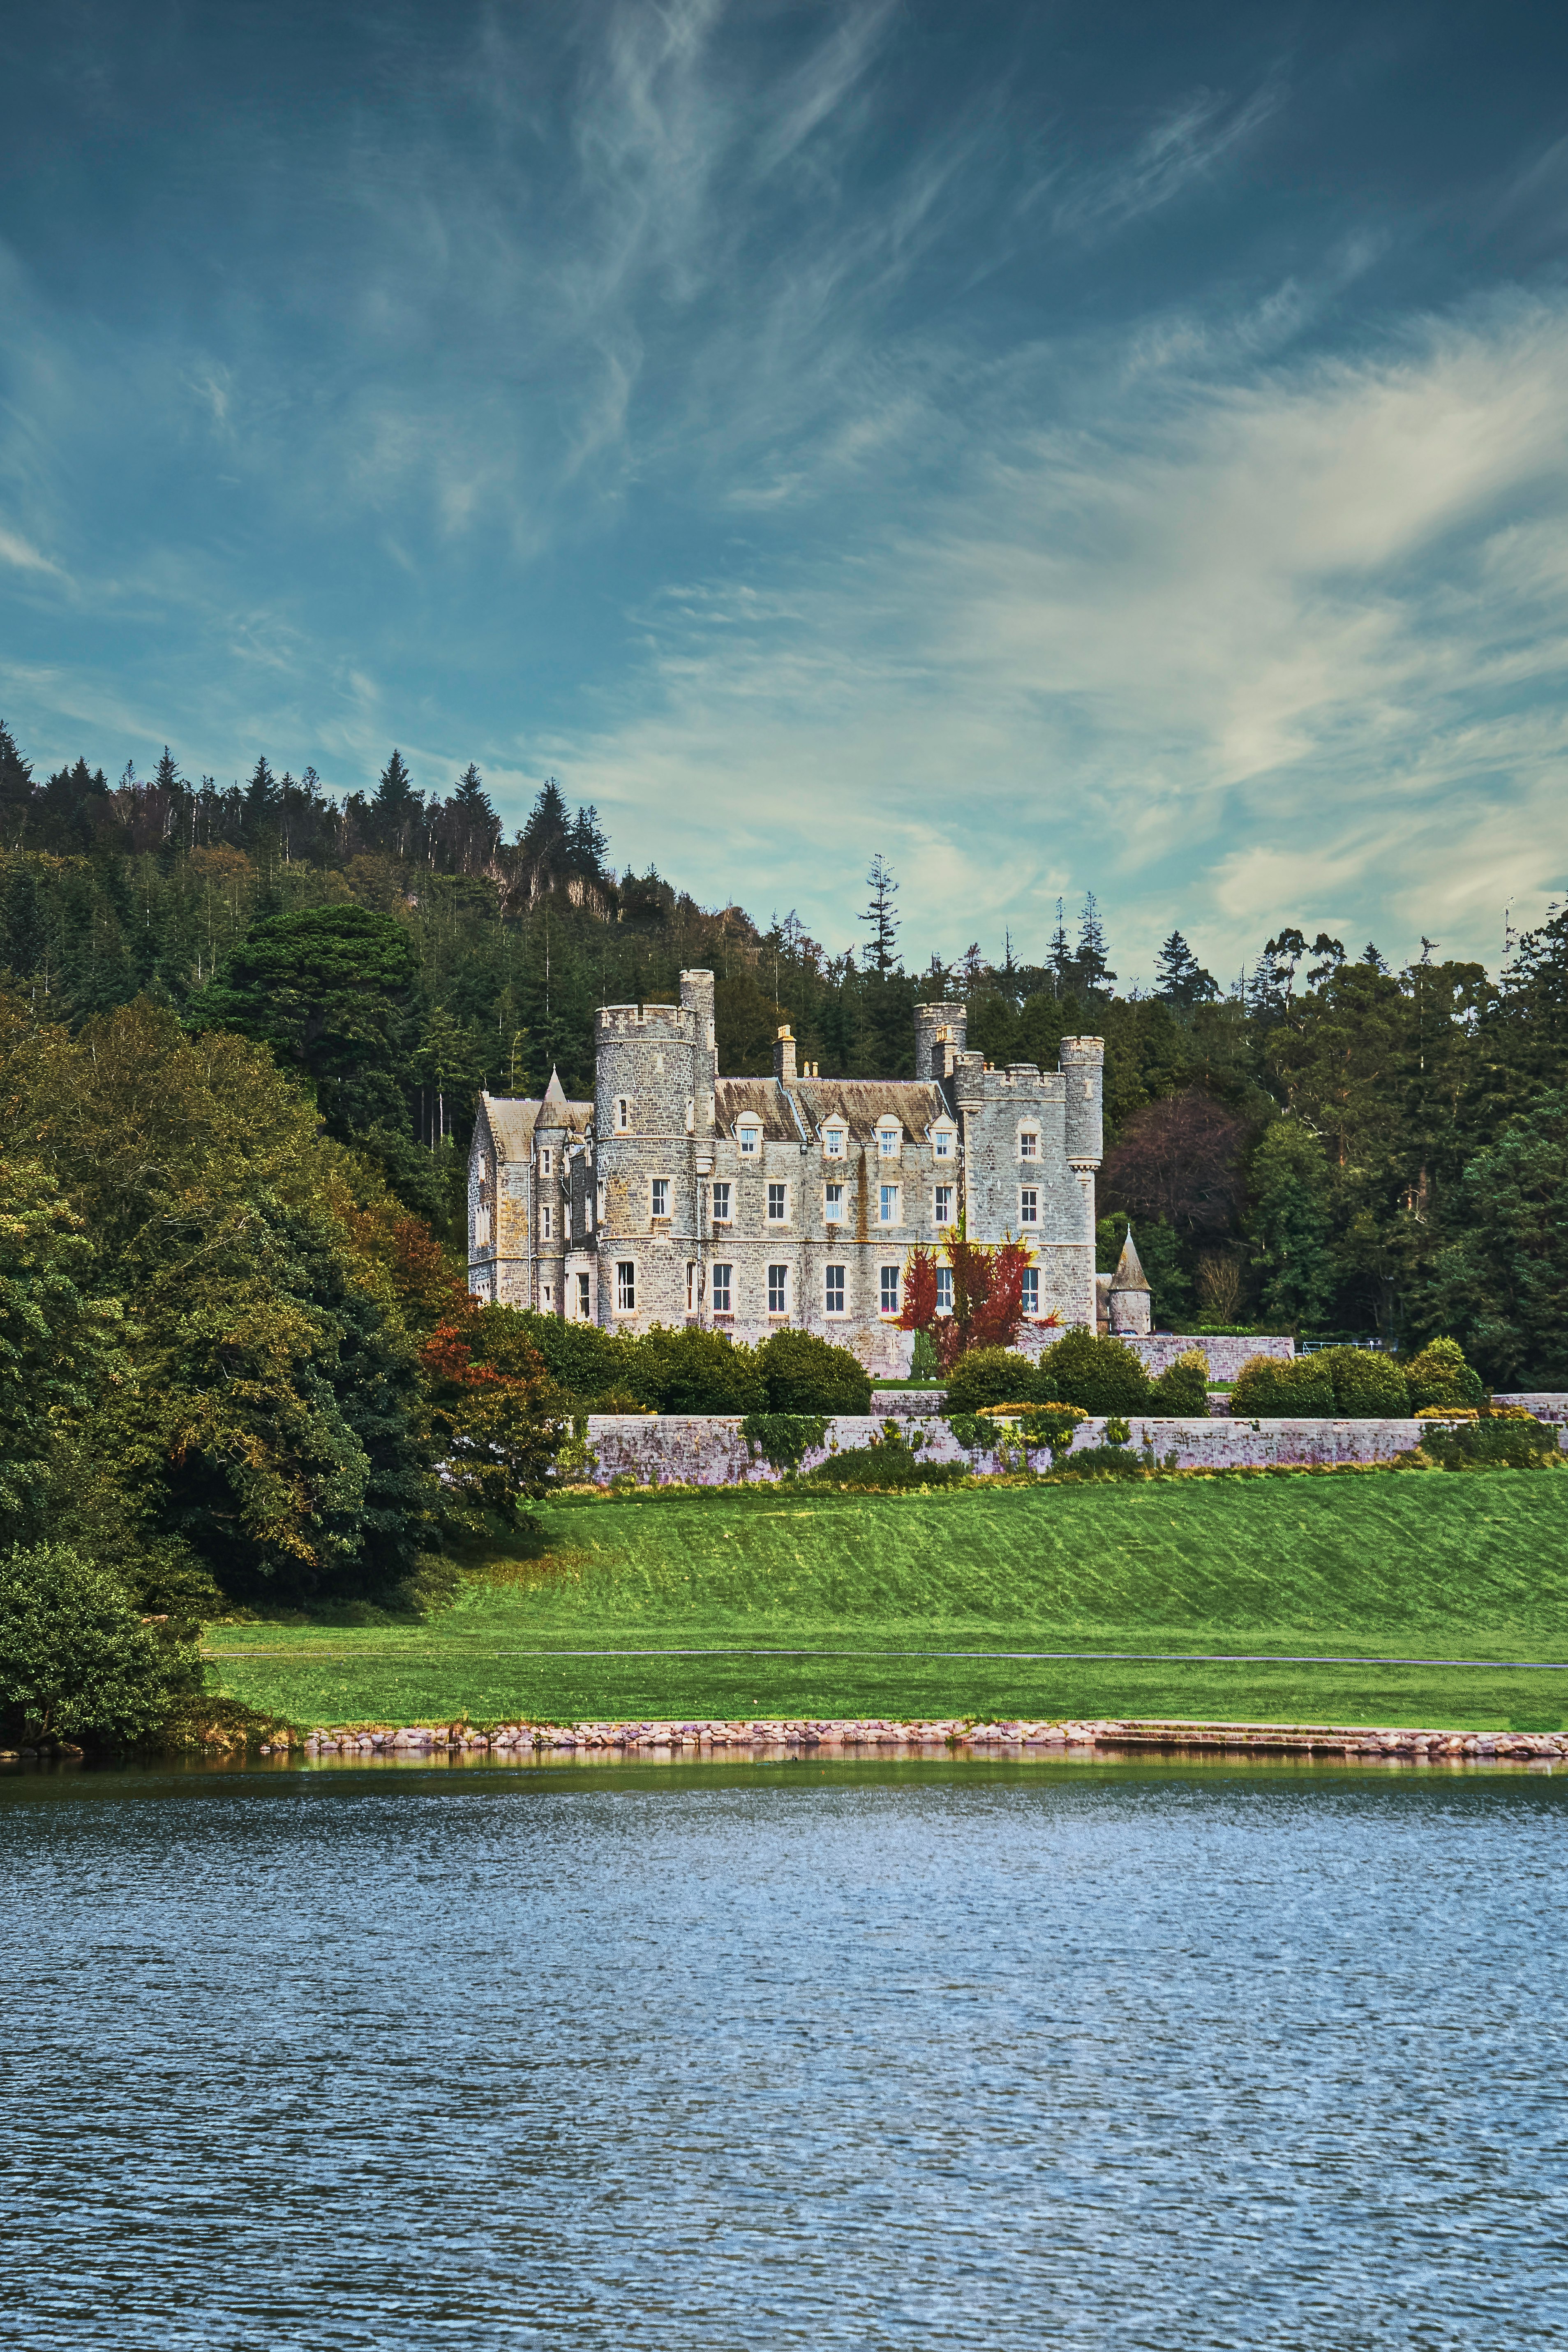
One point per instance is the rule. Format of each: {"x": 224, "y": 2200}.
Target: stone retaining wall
{"x": 775, "y": 1733}
{"x": 710, "y": 1451}
{"x": 1546, "y": 1404}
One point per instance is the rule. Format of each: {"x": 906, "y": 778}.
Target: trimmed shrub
{"x": 582, "y": 1359}
{"x": 990, "y": 1376}
{"x": 689, "y": 1370}
{"x": 1440, "y": 1376}
{"x": 1183, "y": 1387}
{"x": 1368, "y": 1385}
{"x": 807, "y": 1374}
{"x": 1283, "y": 1388}
{"x": 1101, "y": 1374}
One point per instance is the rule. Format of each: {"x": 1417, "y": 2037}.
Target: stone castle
{"x": 677, "y": 1196}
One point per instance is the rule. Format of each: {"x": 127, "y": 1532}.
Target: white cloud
{"x": 23, "y": 556}
{"x": 1281, "y": 648}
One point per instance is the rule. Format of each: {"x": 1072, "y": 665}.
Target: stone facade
{"x": 744, "y": 1205}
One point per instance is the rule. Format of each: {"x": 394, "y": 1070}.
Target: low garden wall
{"x": 710, "y": 1451}
{"x": 1546, "y": 1404}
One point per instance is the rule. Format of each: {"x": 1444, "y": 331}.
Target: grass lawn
{"x": 1425, "y": 1566}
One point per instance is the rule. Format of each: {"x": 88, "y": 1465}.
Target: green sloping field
{"x": 1405, "y": 1565}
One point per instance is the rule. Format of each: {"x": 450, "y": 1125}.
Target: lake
{"x": 738, "y": 2056}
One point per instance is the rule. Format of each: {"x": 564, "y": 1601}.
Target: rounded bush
{"x": 1101, "y": 1374}
{"x": 583, "y": 1361}
{"x": 807, "y": 1374}
{"x": 1368, "y": 1385}
{"x": 990, "y": 1376}
{"x": 1283, "y": 1388}
{"x": 1439, "y": 1375}
{"x": 689, "y": 1370}
{"x": 1183, "y": 1387}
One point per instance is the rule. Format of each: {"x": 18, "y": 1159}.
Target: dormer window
{"x": 750, "y": 1137}
{"x": 941, "y": 1143}
{"x": 887, "y": 1139}
{"x": 833, "y": 1142}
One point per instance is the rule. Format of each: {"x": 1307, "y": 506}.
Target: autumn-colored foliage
{"x": 987, "y": 1296}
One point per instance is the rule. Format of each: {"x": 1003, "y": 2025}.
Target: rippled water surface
{"x": 882, "y": 2055}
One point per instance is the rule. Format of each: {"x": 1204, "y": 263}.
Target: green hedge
{"x": 1102, "y": 1374}
{"x": 806, "y": 1375}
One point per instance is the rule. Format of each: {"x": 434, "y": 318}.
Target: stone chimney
{"x": 784, "y": 1053}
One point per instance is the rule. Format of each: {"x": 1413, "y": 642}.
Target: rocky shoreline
{"x": 867, "y": 1733}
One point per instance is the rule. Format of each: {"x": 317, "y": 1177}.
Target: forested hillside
{"x": 1331, "y": 1146}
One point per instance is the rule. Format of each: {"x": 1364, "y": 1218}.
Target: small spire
{"x": 554, "y": 1092}
{"x": 1130, "y": 1274}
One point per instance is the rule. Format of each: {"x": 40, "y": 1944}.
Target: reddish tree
{"x": 987, "y": 1296}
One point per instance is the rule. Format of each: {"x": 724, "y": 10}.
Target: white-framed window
{"x": 544, "y": 1158}
{"x": 833, "y": 1142}
{"x": 889, "y": 1289}
{"x": 832, "y": 1203}
{"x": 944, "y": 1204}
{"x": 625, "y": 1286}
{"x": 887, "y": 1204}
{"x": 778, "y": 1204}
{"x": 1031, "y": 1290}
{"x": 690, "y": 1113}
{"x": 584, "y": 1298}
{"x": 623, "y": 1113}
{"x": 887, "y": 1139}
{"x": 544, "y": 1221}
{"x": 722, "y": 1203}
{"x": 722, "y": 1278}
{"x": 833, "y": 1290}
{"x": 941, "y": 1142}
{"x": 778, "y": 1291}
{"x": 944, "y": 1290}
{"x": 749, "y": 1136}
{"x": 659, "y": 1189}
{"x": 1028, "y": 1205}
{"x": 1028, "y": 1143}
{"x": 691, "y": 1285}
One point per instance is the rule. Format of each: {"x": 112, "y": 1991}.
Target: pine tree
{"x": 16, "y": 788}
{"x": 545, "y": 839}
{"x": 1182, "y": 979}
{"x": 1059, "y": 961}
{"x": 881, "y": 920}
{"x": 1091, "y": 973}
{"x": 260, "y": 815}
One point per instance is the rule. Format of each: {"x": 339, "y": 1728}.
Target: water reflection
{"x": 724, "y": 2054}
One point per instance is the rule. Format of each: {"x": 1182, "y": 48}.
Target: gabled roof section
{"x": 856, "y": 1103}
{"x": 512, "y": 1119}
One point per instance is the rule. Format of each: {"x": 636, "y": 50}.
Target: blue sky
{"x": 1062, "y": 447}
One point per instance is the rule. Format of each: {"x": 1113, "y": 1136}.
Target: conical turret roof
{"x": 554, "y": 1092}
{"x": 1130, "y": 1274}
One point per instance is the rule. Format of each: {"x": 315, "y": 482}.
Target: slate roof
{"x": 512, "y": 1119}
{"x": 859, "y": 1103}
{"x": 1130, "y": 1274}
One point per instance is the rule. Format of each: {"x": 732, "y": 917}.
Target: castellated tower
{"x": 653, "y": 1105}
{"x": 942, "y": 1032}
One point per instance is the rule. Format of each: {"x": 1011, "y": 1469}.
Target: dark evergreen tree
{"x": 881, "y": 920}
{"x": 1181, "y": 980}
{"x": 396, "y": 810}
{"x": 16, "y": 789}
